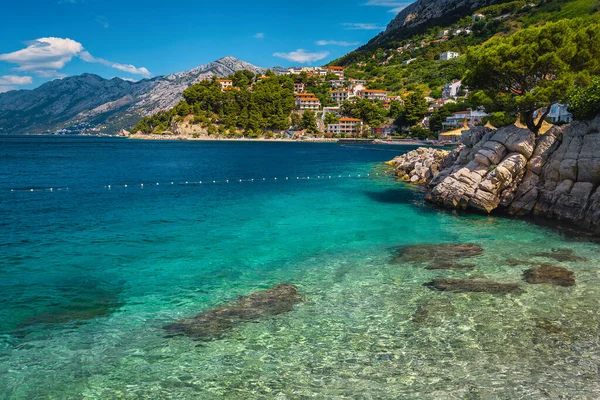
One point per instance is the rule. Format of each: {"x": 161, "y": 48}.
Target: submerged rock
{"x": 468, "y": 285}
{"x": 549, "y": 274}
{"x": 214, "y": 323}
{"x": 436, "y": 253}
{"x": 562, "y": 255}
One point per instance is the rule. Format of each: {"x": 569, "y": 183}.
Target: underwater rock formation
{"x": 216, "y": 322}
{"x": 442, "y": 253}
{"x": 551, "y": 275}
{"x": 477, "y": 286}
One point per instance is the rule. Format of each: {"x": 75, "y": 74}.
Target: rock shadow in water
{"x": 473, "y": 286}
{"x": 216, "y": 322}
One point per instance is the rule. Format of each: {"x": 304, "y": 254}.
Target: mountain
{"x": 425, "y": 11}
{"x": 90, "y": 103}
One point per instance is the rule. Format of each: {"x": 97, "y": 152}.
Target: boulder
{"x": 216, "y": 322}
{"x": 476, "y": 286}
{"x": 551, "y": 275}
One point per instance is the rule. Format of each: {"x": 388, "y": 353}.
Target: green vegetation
{"x": 585, "y": 101}
{"x": 266, "y": 107}
{"x": 537, "y": 66}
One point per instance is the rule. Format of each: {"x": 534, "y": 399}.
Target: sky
{"x": 42, "y": 40}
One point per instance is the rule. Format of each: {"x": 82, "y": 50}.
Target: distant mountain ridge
{"x": 91, "y": 103}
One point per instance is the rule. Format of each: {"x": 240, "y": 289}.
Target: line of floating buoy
{"x": 189, "y": 183}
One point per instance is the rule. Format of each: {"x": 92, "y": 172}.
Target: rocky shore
{"x": 555, "y": 175}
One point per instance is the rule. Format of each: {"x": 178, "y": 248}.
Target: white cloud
{"x": 259, "y": 35}
{"x": 394, "y": 6}
{"x": 10, "y": 82}
{"x": 46, "y": 56}
{"x": 353, "y": 26}
{"x": 15, "y": 80}
{"x": 302, "y": 56}
{"x": 336, "y": 43}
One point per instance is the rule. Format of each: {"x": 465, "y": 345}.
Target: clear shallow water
{"x": 90, "y": 276}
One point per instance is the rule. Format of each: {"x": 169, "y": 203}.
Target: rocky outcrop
{"x": 556, "y": 175}
{"x": 423, "y": 164}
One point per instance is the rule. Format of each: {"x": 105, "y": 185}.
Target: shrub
{"x": 585, "y": 101}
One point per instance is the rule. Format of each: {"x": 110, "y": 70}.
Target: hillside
{"x": 406, "y": 57}
{"x": 91, "y": 103}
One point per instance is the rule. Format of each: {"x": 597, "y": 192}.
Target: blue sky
{"x": 42, "y": 40}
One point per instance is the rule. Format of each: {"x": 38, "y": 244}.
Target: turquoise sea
{"x": 90, "y": 276}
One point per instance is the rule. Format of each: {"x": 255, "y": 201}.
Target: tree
{"x": 537, "y": 66}
{"x": 309, "y": 121}
{"x": 331, "y": 118}
{"x": 415, "y": 108}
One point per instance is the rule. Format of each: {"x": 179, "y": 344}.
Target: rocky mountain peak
{"x": 423, "y": 11}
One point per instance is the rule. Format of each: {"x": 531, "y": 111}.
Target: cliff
{"x": 509, "y": 170}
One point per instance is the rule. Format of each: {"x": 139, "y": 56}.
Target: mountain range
{"x": 90, "y": 103}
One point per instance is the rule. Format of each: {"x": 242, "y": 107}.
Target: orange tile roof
{"x": 350, "y": 119}
{"x": 224, "y": 80}
{"x": 373, "y": 91}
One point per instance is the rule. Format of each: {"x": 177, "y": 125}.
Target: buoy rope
{"x": 202, "y": 182}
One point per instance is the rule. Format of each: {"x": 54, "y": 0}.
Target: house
{"x": 461, "y": 31}
{"x": 451, "y": 90}
{"x": 456, "y": 119}
{"x": 396, "y": 98}
{"x": 307, "y": 101}
{"x": 448, "y": 55}
{"x": 477, "y": 17}
{"x": 559, "y": 113}
{"x": 372, "y": 94}
{"x": 339, "y": 71}
{"x": 437, "y": 104}
{"x": 341, "y": 95}
{"x": 225, "y": 83}
{"x": 338, "y": 83}
{"x": 358, "y": 81}
{"x": 406, "y": 62}
{"x": 299, "y": 87}
{"x": 444, "y": 32}
{"x": 347, "y": 126}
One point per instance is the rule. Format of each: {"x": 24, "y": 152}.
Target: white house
{"x": 559, "y": 113}
{"x": 457, "y": 119}
{"x": 477, "y": 17}
{"x": 371, "y": 94}
{"x": 341, "y": 95}
{"x": 448, "y": 55}
{"x": 408, "y": 61}
{"x": 225, "y": 83}
{"x": 451, "y": 90}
